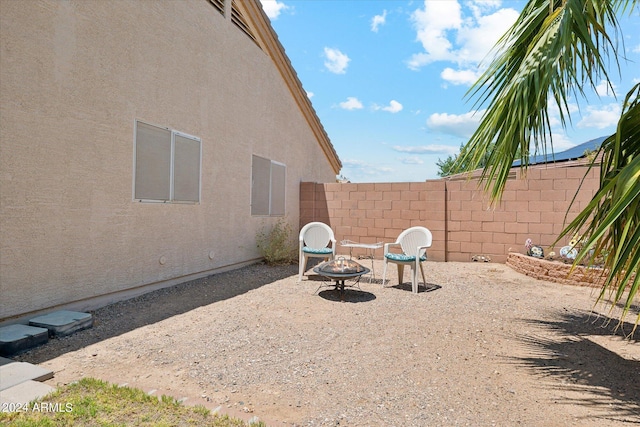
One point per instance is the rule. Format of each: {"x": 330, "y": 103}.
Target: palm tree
{"x": 554, "y": 51}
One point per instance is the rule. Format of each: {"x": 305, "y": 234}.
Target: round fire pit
{"x": 339, "y": 270}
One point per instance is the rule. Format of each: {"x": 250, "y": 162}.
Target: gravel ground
{"x": 482, "y": 345}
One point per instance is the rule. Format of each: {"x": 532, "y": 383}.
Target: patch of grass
{"x": 92, "y": 402}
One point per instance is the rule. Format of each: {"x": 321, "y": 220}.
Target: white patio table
{"x": 370, "y": 248}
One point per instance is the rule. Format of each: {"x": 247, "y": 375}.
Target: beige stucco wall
{"x": 74, "y": 77}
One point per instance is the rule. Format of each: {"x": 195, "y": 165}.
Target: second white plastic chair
{"x": 413, "y": 242}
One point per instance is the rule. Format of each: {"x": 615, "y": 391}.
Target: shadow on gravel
{"x": 327, "y": 290}
{"x": 124, "y": 316}
{"x": 580, "y": 364}
{"x": 350, "y": 295}
{"x": 406, "y": 286}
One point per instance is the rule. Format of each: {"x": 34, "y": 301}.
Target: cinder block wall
{"x": 458, "y": 213}
{"x": 533, "y": 206}
{"x": 376, "y": 212}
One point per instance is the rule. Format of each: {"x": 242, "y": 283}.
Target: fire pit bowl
{"x": 340, "y": 267}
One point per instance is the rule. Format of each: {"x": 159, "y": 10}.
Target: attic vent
{"x": 218, "y": 4}
{"x": 238, "y": 19}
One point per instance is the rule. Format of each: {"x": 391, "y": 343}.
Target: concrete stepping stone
{"x": 16, "y": 373}
{"x": 17, "y": 338}
{"x": 63, "y": 322}
{"x": 25, "y": 392}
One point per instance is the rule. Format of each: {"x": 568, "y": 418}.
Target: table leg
{"x": 373, "y": 273}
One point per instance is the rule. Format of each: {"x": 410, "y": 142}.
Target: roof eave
{"x": 272, "y": 46}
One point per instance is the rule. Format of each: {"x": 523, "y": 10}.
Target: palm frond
{"x": 545, "y": 57}
{"x": 554, "y": 52}
{"x": 611, "y": 220}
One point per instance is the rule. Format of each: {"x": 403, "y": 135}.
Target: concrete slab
{"x": 25, "y": 392}
{"x": 17, "y": 338}
{"x": 63, "y": 322}
{"x": 15, "y": 373}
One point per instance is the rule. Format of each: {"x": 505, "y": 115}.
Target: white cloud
{"x": 413, "y": 160}
{"x": 432, "y": 24}
{"x": 554, "y": 120}
{"x": 378, "y": 20}
{"x": 418, "y": 60}
{"x": 479, "y": 6}
{"x": 310, "y": 95}
{"x": 352, "y": 103}
{"x": 273, "y": 8}
{"x": 365, "y": 168}
{"x": 426, "y": 149}
{"x": 554, "y": 111}
{"x": 560, "y": 143}
{"x": 462, "y": 125}
{"x": 636, "y": 49}
{"x": 393, "y": 107}
{"x": 604, "y": 89}
{"x": 336, "y": 61}
{"x": 447, "y": 35}
{"x": 600, "y": 117}
{"x": 460, "y": 77}
{"x": 476, "y": 39}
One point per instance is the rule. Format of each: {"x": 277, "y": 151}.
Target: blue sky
{"x": 388, "y": 78}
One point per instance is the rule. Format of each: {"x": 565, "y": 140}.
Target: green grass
{"x": 92, "y": 402}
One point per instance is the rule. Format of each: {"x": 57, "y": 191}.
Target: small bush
{"x": 277, "y": 244}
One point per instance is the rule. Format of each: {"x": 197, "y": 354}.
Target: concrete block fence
{"x": 459, "y": 214}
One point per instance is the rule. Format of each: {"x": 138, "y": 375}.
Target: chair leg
{"x": 301, "y": 267}
{"x": 384, "y": 273}
{"x": 424, "y": 280}
{"x": 414, "y": 280}
{"x": 400, "y": 273}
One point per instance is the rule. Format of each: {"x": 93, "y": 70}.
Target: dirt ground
{"x": 480, "y": 345}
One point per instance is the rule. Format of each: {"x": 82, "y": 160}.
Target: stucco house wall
{"x": 74, "y": 78}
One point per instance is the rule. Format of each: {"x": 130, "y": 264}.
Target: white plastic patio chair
{"x": 413, "y": 242}
{"x": 315, "y": 238}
